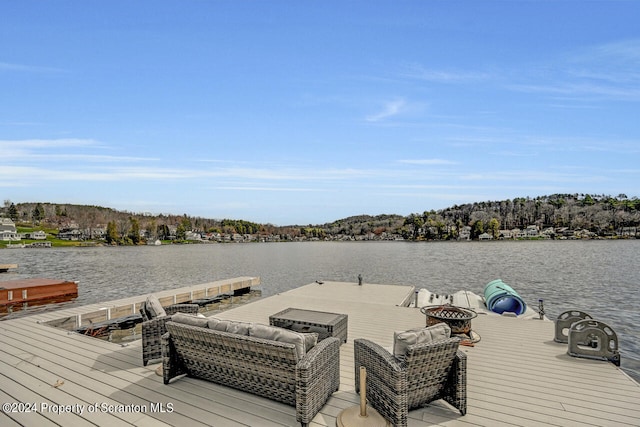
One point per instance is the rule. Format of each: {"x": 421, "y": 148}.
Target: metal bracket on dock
{"x": 593, "y": 339}
{"x": 564, "y": 322}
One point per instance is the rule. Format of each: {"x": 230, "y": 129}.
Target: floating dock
{"x": 31, "y": 290}
{"x": 517, "y": 374}
{"x": 6, "y": 267}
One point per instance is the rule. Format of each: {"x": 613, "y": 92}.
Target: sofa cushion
{"x": 190, "y": 319}
{"x": 402, "y": 340}
{"x": 231, "y": 326}
{"x": 153, "y": 307}
{"x": 275, "y": 333}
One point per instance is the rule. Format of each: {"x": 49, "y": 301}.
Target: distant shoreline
{"x": 56, "y": 244}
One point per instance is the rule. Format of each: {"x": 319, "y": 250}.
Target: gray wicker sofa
{"x": 237, "y": 357}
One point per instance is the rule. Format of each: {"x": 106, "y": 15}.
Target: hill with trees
{"x": 557, "y": 214}
{"x": 600, "y": 215}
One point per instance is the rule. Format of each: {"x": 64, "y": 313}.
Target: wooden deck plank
{"x": 516, "y": 375}
{"x": 233, "y": 403}
{"x": 143, "y": 384}
{"x": 90, "y": 375}
{"x": 116, "y": 361}
{"x": 78, "y": 391}
{"x": 30, "y": 390}
{"x": 18, "y": 417}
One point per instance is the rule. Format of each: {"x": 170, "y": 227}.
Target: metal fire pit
{"x": 458, "y": 319}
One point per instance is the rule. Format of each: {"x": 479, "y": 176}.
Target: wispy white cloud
{"x": 390, "y": 109}
{"x": 70, "y": 157}
{"x": 616, "y": 61}
{"x": 47, "y": 143}
{"x": 110, "y": 173}
{"x": 599, "y": 72}
{"x": 532, "y": 176}
{"x": 428, "y": 162}
{"x": 36, "y": 150}
{"x": 7, "y": 66}
{"x": 275, "y": 189}
{"x": 567, "y": 90}
{"x": 443, "y": 76}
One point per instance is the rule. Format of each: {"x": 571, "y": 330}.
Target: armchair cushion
{"x": 402, "y": 340}
{"x": 153, "y": 307}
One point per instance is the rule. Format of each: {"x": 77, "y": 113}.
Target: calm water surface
{"x": 599, "y": 277}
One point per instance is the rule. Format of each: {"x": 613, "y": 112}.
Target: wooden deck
{"x": 517, "y": 375}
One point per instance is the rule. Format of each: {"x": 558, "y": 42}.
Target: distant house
{"x": 516, "y": 233}
{"x": 532, "y": 231}
{"x": 95, "y": 233}
{"x": 505, "y": 234}
{"x": 71, "y": 234}
{"x": 8, "y": 230}
{"x": 485, "y": 236}
{"x": 548, "y": 233}
{"x": 190, "y": 235}
{"x": 465, "y": 233}
{"x": 628, "y": 231}
{"x": 36, "y": 235}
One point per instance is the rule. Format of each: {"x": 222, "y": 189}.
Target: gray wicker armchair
{"x": 432, "y": 371}
{"x": 154, "y": 328}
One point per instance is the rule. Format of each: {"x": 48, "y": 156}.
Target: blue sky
{"x": 290, "y": 112}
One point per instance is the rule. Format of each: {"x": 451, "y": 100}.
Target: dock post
{"x": 541, "y": 308}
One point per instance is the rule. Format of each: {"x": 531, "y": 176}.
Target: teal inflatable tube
{"x": 501, "y": 298}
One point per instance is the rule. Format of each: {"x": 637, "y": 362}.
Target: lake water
{"x": 598, "y": 277}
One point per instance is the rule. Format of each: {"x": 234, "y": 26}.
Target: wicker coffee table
{"x": 301, "y": 320}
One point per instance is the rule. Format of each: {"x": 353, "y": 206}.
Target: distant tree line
{"x": 600, "y": 214}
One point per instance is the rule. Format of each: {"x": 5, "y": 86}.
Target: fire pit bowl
{"x": 458, "y": 318}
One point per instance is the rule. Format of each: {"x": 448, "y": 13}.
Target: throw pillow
{"x": 212, "y": 322}
{"x": 144, "y": 312}
{"x": 231, "y": 326}
{"x": 154, "y": 307}
{"x": 240, "y": 328}
{"x": 310, "y": 340}
{"x": 275, "y": 333}
{"x": 309, "y": 329}
{"x": 219, "y": 325}
{"x": 402, "y": 340}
